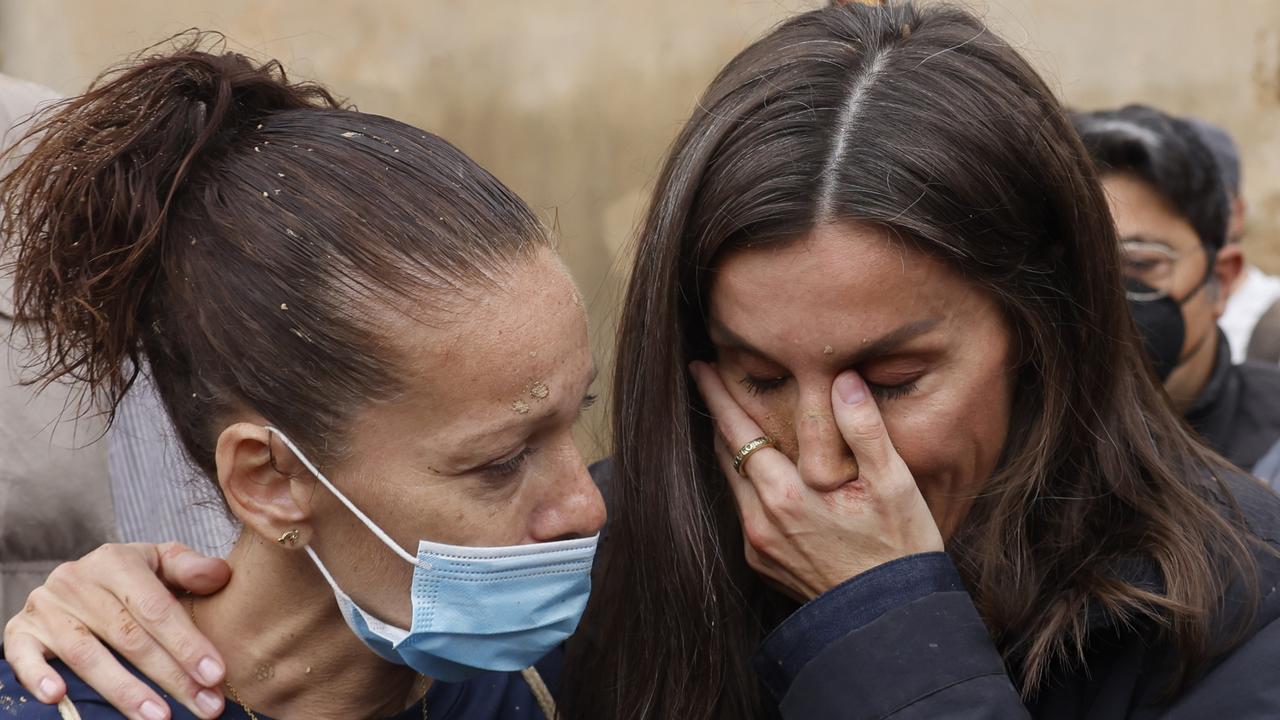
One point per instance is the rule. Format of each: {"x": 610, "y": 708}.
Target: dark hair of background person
{"x": 1167, "y": 153}
{"x": 919, "y": 120}
{"x": 245, "y": 234}
{"x": 1225, "y": 152}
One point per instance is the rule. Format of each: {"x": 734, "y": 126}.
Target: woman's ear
{"x": 258, "y": 475}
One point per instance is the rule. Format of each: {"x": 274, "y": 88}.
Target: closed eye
{"x": 882, "y": 393}
{"x": 886, "y": 393}
{"x": 759, "y": 386}
{"x": 508, "y": 467}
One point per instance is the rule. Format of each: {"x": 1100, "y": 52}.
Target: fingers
{"x": 750, "y": 511}
{"x": 182, "y": 567}
{"x": 26, "y": 655}
{"x": 114, "y": 594}
{"x": 154, "y": 631}
{"x": 737, "y": 428}
{"x": 861, "y": 425}
{"x": 46, "y": 628}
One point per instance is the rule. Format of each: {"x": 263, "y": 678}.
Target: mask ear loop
{"x": 373, "y": 527}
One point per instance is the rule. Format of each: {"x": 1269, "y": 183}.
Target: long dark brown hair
{"x": 246, "y": 236}
{"x": 921, "y": 121}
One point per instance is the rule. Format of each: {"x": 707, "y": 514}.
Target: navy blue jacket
{"x": 492, "y": 696}
{"x": 904, "y": 641}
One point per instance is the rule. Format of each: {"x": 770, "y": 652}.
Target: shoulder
{"x": 16, "y": 702}
{"x": 496, "y": 695}
{"x": 1257, "y": 507}
{"x": 1260, "y": 387}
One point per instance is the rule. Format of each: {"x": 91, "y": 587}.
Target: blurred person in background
{"x": 1173, "y": 215}
{"x": 885, "y": 442}
{"x": 64, "y": 488}
{"x": 55, "y": 501}
{"x": 1253, "y": 293}
{"x": 1264, "y": 344}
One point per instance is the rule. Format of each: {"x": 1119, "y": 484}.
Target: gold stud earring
{"x": 289, "y": 538}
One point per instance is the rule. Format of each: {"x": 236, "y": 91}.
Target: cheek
{"x": 952, "y": 439}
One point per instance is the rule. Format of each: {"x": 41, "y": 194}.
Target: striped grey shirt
{"x": 159, "y": 495}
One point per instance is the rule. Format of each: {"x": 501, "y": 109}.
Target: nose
{"x": 825, "y": 461}
{"x": 572, "y": 505}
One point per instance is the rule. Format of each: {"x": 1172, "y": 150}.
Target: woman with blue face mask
{"x": 366, "y": 341}
{"x": 884, "y": 444}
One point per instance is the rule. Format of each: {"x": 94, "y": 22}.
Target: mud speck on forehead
{"x": 539, "y": 391}
{"x": 520, "y": 407}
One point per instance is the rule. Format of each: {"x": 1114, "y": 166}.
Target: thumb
{"x": 861, "y": 426}
{"x": 184, "y": 568}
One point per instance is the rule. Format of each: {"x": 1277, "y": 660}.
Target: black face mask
{"x": 1161, "y": 325}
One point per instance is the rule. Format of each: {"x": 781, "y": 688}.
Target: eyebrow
{"x": 881, "y": 346}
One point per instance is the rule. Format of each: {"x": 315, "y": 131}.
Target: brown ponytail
{"x": 87, "y": 210}
{"x": 200, "y": 211}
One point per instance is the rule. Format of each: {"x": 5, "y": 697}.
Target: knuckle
{"x": 757, "y": 538}
{"x": 11, "y": 630}
{"x": 64, "y": 575}
{"x": 39, "y": 599}
{"x": 128, "y": 637}
{"x": 185, "y": 687}
{"x": 155, "y": 607}
{"x": 29, "y": 616}
{"x": 109, "y": 553}
{"x": 868, "y": 433}
{"x": 186, "y": 650}
{"x": 83, "y": 651}
{"x": 127, "y": 692}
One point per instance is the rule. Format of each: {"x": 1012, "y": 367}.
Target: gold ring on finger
{"x": 746, "y": 451}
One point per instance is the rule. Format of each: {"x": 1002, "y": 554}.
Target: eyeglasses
{"x": 1151, "y": 264}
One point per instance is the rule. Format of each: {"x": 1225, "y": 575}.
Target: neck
{"x": 1187, "y": 383}
{"x": 288, "y": 651}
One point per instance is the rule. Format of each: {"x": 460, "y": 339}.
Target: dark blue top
{"x": 492, "y": 696}
{"x": 903, "y": 641}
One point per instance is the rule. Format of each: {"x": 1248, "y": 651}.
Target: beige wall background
{"x": 573, "y": 102}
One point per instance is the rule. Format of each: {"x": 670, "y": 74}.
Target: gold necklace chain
{"x": 191, "y": 610}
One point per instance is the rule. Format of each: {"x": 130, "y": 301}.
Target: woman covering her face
{"x": 366, "y": 340}
{"x": 885, "y": 442}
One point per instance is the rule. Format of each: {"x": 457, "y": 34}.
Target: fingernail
{"x": 851, "y": 389}
{"x": 152, "y": 711}
{"x": 47, "y": 688}
{"x": 210, "y": 671}
{"x": 209, "y": 701}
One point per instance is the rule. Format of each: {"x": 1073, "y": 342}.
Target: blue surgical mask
{"x": 475, "y": 610}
